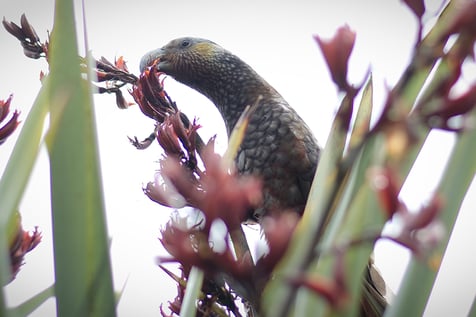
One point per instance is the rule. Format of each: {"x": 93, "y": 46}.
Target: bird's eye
{"x": 185, "y": 43}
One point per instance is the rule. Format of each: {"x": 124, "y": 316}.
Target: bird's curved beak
{"x": 149, "y": 58}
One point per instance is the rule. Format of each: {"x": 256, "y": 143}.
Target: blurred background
{"x": 275, "y": 38}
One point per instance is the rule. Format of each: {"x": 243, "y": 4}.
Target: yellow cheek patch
{"x": 204, "y": 49}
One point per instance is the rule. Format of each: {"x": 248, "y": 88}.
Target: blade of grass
{"x": 82, "y": 263}
{"x": 420, "y": 276}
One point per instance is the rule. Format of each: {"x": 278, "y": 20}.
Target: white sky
{"x": 275, "y": 38}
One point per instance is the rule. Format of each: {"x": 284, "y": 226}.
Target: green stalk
{"x": 192, "y": 292}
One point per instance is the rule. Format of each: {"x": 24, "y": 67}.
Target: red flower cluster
{"x": 151, "y": 97}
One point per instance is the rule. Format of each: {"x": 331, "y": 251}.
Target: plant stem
{"x": 194, "y": 284}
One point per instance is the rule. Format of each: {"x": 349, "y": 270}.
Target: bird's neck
{"x": 232, "y": 102}
{"x": 232, "y": 87}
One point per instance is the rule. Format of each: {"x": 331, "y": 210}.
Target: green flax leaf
{"x": 82, "y": 263}
{"x": 278, "y": 294}
{"x": 33, "y": 303}
{"x": 362, "y": 120}
{"x": 15, "y": 177}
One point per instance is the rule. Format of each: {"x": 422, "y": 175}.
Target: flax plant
{"x": 315, "y": 264}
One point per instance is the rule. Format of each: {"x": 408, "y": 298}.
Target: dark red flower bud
{"x": 180, "y": 131}
{"x": 333, "y": 290}
{"x": 336, "y": 52}
{"x": 5, "y": 107}
{"x": 168, "y": 139}
{"x": 23, "y": 243}
{"x": 465, "y": 20}
{"x": 149, "y": 94}
{"x": 452, "y": 107}
{"x": 428, "y": 214}
{"x": 121, "y": 102}
{"x": 417, "y": 7}
{"x": 28, "y": 29}
{"x": 278, "y": 231}
{"x": 32, "y": 47}
{"x": 328, "y": 289}
{"x": 7, "y": 129}
{"x": 420, "y": 231}
{"x": 183, "y": 181}
{"x": 164, "y": 194}
{"x": 13, "y": 29}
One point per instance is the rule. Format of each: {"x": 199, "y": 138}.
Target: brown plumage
{"x": 278, "y": 146}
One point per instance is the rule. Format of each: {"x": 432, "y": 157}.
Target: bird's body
{"x": 278, "y": 146}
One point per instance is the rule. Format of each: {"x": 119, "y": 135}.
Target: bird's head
{"x": 185, "y": 58}
{"x": 203, "y": 65}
